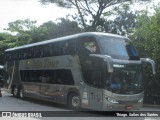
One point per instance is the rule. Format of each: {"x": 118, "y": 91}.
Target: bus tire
{"x": 21, "y": 93}
{"x": 74, "y": 101}
{"x": 15, "y": 92}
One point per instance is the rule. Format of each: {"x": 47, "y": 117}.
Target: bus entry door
{"x": 95, "y": 98}
{"x": 96, "y": 90}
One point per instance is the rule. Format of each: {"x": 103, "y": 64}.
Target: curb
{"x": 151, "y": 105}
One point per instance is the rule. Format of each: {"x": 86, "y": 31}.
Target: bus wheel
{"x": 74, "y": 101}
{"x": 15, "y": 92}
{"x": 21, "y": 93}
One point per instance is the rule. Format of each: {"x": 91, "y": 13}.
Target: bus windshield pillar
{"x": 147, "y": 60}
{"x": 108, "y": 59}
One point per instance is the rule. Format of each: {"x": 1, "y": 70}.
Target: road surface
{"x": 32, "y": 109}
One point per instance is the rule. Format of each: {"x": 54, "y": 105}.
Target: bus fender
{"x": 71, "y": 91}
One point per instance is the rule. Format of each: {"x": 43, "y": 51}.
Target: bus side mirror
{"x": 147, "y": 60}
{"x": 108, "y": 59}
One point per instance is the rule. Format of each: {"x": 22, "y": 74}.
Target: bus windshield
{"x": 126, "y": 79}
{"x": 118, "y": 48}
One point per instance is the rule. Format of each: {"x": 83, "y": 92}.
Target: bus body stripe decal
{"x": 12, "y": 76}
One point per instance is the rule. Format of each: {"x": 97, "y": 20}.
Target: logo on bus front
{"x": 118, "y": 66}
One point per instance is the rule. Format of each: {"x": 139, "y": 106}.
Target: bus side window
{"x": 56, "y": 49}
{"x": 64, "y": 77}
{"x": 48, "y": 51}
{"x": 19, "y": 55}
{"x": 68, "y": 47}
{"x": 63, "y": 46}
{"x": 8, "y": 56}
{"x": 25, "y": 75}
{"x": 14, "y": 55}
{"x": 34, "y": 76}
{"x": 51, "y": 50}
{"x": 71, "y": 48}
{"x": 25, "y": 54}
{"x": 87, "y": 45}
{"x": 94, "y": 78}
{"x": 38, "y": 52}
{"x": 31, "y": 52}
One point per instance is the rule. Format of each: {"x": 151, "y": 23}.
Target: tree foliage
{"x": 20, "y": 26}
{"x": 62, "y": 28}
{"x": 6, "y": 41}
{"x": 147, "y": 35}
{"x": 21, "y": 32}
{"x": 92, "y": 8}
{"x": 123, "y": 21}
{"x": 146, "y": 38}
{"x": 19, "y": 29}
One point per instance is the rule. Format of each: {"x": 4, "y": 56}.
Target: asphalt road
{"x": 32, "y": 109}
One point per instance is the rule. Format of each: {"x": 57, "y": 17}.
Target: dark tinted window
{"x": 88, "y": 45}
{"x": 38, "y": 52}
{"x": 68, "y": 47}
{"x": 94, "y": 77}
{"x": 118, "y": 48}
{"x": 56, "y": 47}
{"x": 8, "y": 56}
{"x": 26, "y": 53}
{"x": 63, "y": 77}
{"x": 48, "y": 50}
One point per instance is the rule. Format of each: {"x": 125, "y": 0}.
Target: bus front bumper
{"x": 122, "y": 107}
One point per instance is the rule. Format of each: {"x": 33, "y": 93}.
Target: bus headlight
{"x": 112, "y": 100}
{"x": 141, "y": 100}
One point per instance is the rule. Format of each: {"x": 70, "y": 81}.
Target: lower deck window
{"x": 93, "y": 77}
{"x": 62, "y": 76}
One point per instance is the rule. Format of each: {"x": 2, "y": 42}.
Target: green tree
{"x": 66, "y": 27}
{"x": 147, "y": 35}
{"x": 21, "y": 32}
{"x": 123, "y": 21}
{"x": 21, "y": 26}
{"x": 63, "y": 27}
{"x": 92, "y": 8}
{"x": 6, "y": 41}
{"x": 146, "y": 38}
{"x": 20, "y": 29}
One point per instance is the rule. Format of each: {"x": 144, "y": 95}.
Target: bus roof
{"x": 62, "y": 39}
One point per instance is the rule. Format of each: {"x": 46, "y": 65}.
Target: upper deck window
{"x": 8, "y": 56}
{"x": 38, "y": 52}
{"x": 88, "y": 45}
{"x": 118, "y": 48}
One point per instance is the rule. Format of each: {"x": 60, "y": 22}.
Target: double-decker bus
{"x": 91, "y": 70}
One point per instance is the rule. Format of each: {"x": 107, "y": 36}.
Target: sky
{"x": 12, "y": 10}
